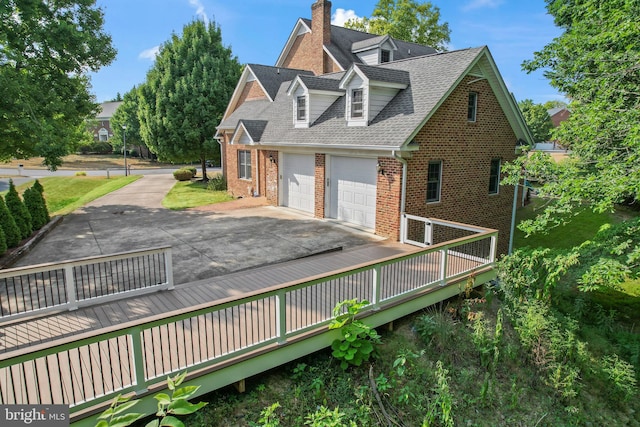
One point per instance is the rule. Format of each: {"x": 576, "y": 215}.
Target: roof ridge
{"x": 428, "y": 55}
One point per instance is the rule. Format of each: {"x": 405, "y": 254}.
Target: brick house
{"x": 362, "y": 128}
{"x": 101, "y": 128}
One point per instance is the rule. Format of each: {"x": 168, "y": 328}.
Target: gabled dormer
{"x": 375, "y": 51}
{"x": 310, "y": 97}
{"x": 248, "y": 132}
{"x": 368, "y": 90}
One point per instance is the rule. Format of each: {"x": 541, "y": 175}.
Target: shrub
{"x": 9, "y": 226}
{"x": 217, "y": 183}
{"x": 37, "y": 186}
{"x": 183, "y": 174}
{"x": 19, "y": 211}
{"x": 193, "y": 170}
{"x": 358, "y": 338}
{"x": 37, "y": 208}
{"x": 3, "y": 242}
{"x": 81, "y": 174}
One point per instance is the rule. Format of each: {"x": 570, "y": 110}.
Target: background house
{"x": 362, "y": 128}
{"x": 101, "y": 128}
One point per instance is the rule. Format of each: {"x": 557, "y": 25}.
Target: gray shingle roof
{"x": 367, "y": 43}
{"x": 342, "y": 40}
{"x": 430, "y": 79}
{"x": 321, "y": 83}
{"x": 272, "y": 77}
{"x": 254, "y": 128}
{"x": 384, "y": 74}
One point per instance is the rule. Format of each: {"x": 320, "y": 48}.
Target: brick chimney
{"x": 320, "y": 32}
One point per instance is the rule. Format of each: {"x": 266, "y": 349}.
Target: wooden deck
{"x": 31, "y": 331}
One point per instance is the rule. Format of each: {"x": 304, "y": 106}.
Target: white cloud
{"x": 197, "y": 4}
{"x": 341, "y": 16}
{"x": 150, "y": 53}
{"x": 480, "y": 4}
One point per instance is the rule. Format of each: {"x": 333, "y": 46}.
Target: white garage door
{"x": 298, "y": 182}
{"x": 353, "y": 190}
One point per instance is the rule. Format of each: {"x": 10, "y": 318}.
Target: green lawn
{"x": 582, "y": 227}
{"x": 190, "y": 194}
{"x": 64, "y": 194}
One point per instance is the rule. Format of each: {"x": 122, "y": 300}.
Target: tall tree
{"x": 537, "y": 119}
{"x": 408, "y": 20}
{"x": 46, "y": 49}
{"x": 595, "y": 63}
{"x": 127, "y": 115}
{"x": 186, "y": 94}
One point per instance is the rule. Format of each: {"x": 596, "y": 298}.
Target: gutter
{"x": 513, "y": 215}
{"x": 403, "y": 192}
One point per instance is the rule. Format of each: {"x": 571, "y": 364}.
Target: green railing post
{"x": 138, "y": 361}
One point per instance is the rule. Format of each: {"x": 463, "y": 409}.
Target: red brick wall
{"x": 252, "y": 90}
{"x": 319, "y": 181}
{"x": 271, "y": 178}
{"x": 466, "y": 150}
{"x": 388, "y": 198}
{"x": 236, "y": 186}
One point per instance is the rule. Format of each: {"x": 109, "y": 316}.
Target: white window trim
{"x": 242, "y": 165}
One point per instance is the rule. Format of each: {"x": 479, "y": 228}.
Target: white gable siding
{"x": 378, "y": 99}
{"x": 369, "y": 57}
{"x": 244, "y": 139}
{"x": 319, "y": 104}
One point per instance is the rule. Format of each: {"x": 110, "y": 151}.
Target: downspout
{"x": 219, "y": 138}
{"x": 403, "y": 193}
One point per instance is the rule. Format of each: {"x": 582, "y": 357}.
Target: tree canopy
{"x": 537, "y": 119}
{"x": 407, "y": 20}
{"x": 186, "y": 94}
{"x": 46, "y": 49}
{"x": 595, "y": 63}
{"x": 126, "y": 115}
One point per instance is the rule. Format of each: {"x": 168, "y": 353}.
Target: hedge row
{"x": 18, "y": 218}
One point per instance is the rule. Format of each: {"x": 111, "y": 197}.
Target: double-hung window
{"x": 494, "y": 176}
{"x": 301, "y": 109}
{"x": 244, "y": 164}
{"x": 385, "y": 56}
{"x": 472, "y": 109}
{"x": 434, "y": 181}
{"x": 357, "y": 110}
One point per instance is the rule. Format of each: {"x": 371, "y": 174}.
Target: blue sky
{"x": 257, "y": 30}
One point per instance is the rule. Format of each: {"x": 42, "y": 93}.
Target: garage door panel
{"x": 353, "y": 194}
{"x": 299, "y": 182}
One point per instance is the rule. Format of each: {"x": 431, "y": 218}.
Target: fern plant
{"x": 358, "y": 338}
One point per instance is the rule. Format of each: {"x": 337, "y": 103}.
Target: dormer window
{"x": 301, "y": 108}
{"x": 385, "y": 56}
{"x": 357, "y": 108}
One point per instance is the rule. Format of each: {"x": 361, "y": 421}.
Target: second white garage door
{"x": 353, "y": 190}
{"x": 298, "y": 182}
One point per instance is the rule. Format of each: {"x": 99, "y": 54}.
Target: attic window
{"x": 301, "y": 109}
{"x": 385, "y": 56}
{"x": 356, "y": 104}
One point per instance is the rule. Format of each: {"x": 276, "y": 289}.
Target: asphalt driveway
{"x": 206, "y": 242}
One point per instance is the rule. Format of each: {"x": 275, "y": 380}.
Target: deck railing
{"x": 93, "y": 367}
{"x": 43, "y": 288}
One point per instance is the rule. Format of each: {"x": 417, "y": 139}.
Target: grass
{"x": 64, "y": 194}
{"x": 581, "y": 228}
{"x": 190, "y": 194}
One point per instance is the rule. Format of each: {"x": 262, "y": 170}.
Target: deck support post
{"x": 240, "y": 386}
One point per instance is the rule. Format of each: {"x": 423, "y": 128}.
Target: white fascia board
{"x": 326, "y": 92}
{"x": 391, "y": 85}
{"x": 325, "y": 147}
{"x": 240, "y": 130}
{"x": 298, "y": 29}
{"x": 236, "y": 92}
{"x": 294, "y": 85}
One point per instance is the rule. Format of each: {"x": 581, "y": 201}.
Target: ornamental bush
{"x": 38, "y": 187}
{"x": 3, "y": 242}
{"x": 19, "y": 211}
{"x": 9, "y": 227}
{"x": 183, "y": 174}
{"x": 35, "y": 205}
